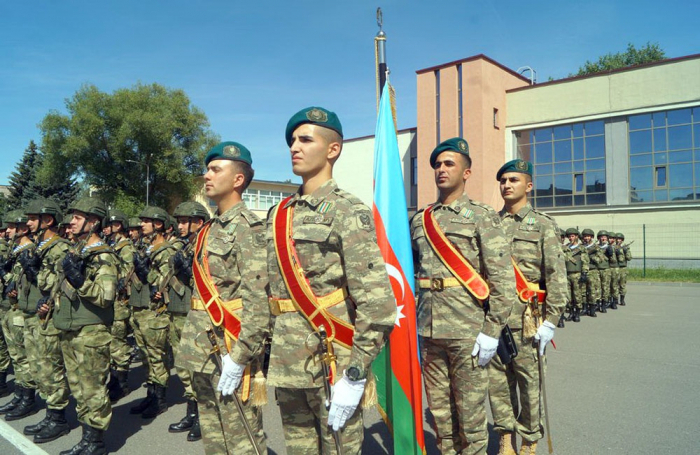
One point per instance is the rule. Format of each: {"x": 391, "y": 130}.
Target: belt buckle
{"x": 437, "y": 284}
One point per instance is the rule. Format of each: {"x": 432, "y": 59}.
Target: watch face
{"x": 353, "y": 373}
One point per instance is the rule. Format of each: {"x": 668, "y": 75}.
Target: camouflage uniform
{"x": 614, "y": 274}
{"x": 5, "y": 359}
{"x": 236, "y": 256}
{"x": 450, "y": 319}
{"x": 180, "y": 296}
{"x": 119, "y": 348}
{"x": 605, "y": 274}
{"x": 593, "y": 290}
{"x": 627, "y": 253}
{"x": 335, "y": 241}
{"x": 84, "y": 316}
{"x": 536, "y": 249}
{"x": 139, "y": 302}
{"x": 576, "y": 265}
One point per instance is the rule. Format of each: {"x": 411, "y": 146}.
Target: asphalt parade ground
{"x": 626, "y": 382}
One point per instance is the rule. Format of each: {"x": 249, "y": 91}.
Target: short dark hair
{"x": 247, "y": 171}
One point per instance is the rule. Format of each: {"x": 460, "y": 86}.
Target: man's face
{"x": 310, "y": 150}
{"x": 33, "y": 223}
{"x": 107, "y": 230}
{"x": 77, "y": 223}
{"x": 515, "y": 186}
{"x": 134, "y": 234}
{"x": 183, "y": 226}
{"x": 147, "y": 226}
{"x": 603, "y": 239}
{"x": 116, "y": 227}
{"x": 219, "y": 179}
{"x": 573, "y": 238}
{"x": 11, "y": 230}
{"x": 450, "y": 171}
{"x": 587, "y": 238}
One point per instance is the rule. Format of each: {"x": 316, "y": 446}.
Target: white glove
{"x": 544, "y": 335}
{"x": 346, "y": 396}
{"x": 231, "y": 375}
{"x": 486, "y": 347}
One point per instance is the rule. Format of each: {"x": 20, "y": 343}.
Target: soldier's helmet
{"x": 16, "y": 217}
{"x": 155, "y": 213}
{"x": 601, "y": 233}
{"x": 172, "y": 222}
{"x": 90, "y": 206}
{"x": 134, "y": 223}
{"x": 572, "y": 231}
{"x": 562, "y": 233}
{"x": 117, "y": 216}
{"x": 66, "y": 220}
{"x": 44, "y": 207}
{"x": 191, "y": 209}
{"x": 612, "y": 235}
{"x": 588, "y": 232}
{"x": 621, "y": 236}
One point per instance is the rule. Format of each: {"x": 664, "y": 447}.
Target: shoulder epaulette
{"x": 351, "y": 198}
{"x": 251, "y": 217}
{"x": 481, "y": 205}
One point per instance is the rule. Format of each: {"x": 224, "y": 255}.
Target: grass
{"x": 664, "y": 274}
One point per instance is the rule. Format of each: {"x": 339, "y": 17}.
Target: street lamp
{"x": 148, "y": 175}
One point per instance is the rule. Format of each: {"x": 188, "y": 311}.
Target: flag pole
{"x": 380, "y": 55}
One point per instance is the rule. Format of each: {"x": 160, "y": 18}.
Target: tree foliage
{"x": 110, "y": 140}
{"x": 632, "y": 56}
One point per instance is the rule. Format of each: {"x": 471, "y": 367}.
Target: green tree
{"x": 108, "y": 141}
{"x": 632, "y": 56}
{"x": 3, "y": 205}
{"x": 22, "y": 188}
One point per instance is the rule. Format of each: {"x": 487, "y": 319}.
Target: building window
{"x": 664, "y": 151}
{"x": 569, "y": 163}
{"x": 414, "y": 171}
{"x": 263, "y": 199}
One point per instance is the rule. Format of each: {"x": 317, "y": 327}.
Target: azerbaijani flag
{"x": 397, "y": 369}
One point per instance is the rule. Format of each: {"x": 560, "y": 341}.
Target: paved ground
{"x": 623, "y": 383}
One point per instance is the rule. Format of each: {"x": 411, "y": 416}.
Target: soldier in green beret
{"x": 537, "y": 254}
{"x": 458, "y": 336}
{"x": 229, "y": 258}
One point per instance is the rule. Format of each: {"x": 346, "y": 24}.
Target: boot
{"x": 25, "y": 407}
{"x": 118, "y": 385}
{"x": 36, "y": 428}
{"x": 94, "y": 443}
{"x": 601, "y": 307}
{"x": 591, "y": 310}
{"x": 4, "y": 388}
{"x": 613, "y": 305}
{"x": 187, "y": 421}
{"x": 14, "y": 402}
{"x": 571, "y": 313}
{"x": 622, "y": 301}
{"x": 78, "y": 448}
{"x": 158, "y": 404}
{"x": 576, "y": 317}
{"x": 145, "y": 403}
{"x": 506, "y": 444}
{"x": 195, "y": 433}
{"x": 560, "y": 324}
{"x": 55, "y": 428}
{"x": 528, "y": 448}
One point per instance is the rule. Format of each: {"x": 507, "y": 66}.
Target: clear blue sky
{"x": 250, "y": 65}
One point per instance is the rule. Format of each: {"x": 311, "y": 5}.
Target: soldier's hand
{"x": 544, "y": 335}
{"x": 155, "y": 294}
{"x": 73, "y": 270}
{"x": 42, "y": 306}
{"x": 346, "y": 397}
{"x": 485, "y": 347}
{"x": 231, "y": 375}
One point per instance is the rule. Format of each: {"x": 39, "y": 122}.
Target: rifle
{"x": 55, "y": 295}
{"x": 164, "y": 297}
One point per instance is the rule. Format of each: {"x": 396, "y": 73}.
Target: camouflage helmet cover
{"x": 572, "y": 231}
{"x": 191, "y": 209}
{"x": 90, "y": 206}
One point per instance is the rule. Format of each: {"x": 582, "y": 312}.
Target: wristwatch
{"x": 355, "y": 373}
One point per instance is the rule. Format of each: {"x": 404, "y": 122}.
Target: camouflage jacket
{"x": 578, "y": 260}
{"x": 336, "y": 244}
{"x": 475, "y": 230}
{"x": 4, "y": 256}
{"x": 93, "y": 302}
{"x": 628, "y": 252}
{"x": 28, "y": 293}
{"x": 235, "y": 251}
{"x": 537, "y": 251}
{"x": 52, "y": 252}
{"x": 161, "y": 268}
{"x": 180, "y": 292}
{"x": 605, "y": 263}
{"x": 620, "y": 255}
{"x": 595, "y": 256}
{"x": 125, "y": 250}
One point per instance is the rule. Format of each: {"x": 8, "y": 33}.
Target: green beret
{"x": 456, "y": 144}
{"x": 316, "y": 116}
{"x": 521, "y": 166}
{"x": 229, "y": 151}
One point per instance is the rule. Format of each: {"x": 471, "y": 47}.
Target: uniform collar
{"x": 520, "y": 214}
{"x": 456, "y": 206}
{"x": 231, "y": 213}
{"x": 315, "y": 198}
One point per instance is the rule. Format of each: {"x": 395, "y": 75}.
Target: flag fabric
{"x": 397, "y": 368}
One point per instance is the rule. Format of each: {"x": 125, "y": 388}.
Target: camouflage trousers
{"x": 5, "y": 359}
{"x": 119, "y": 349}
{"x": 13, "y": 331}
{"x": 305, "y": 424}
{"x": 615, "y": 282}
{"x": 524, "y": 416}
{"x": 456, "y": 390}
{"x": 223, "y": 431}
{"x": 48, "y": 369}
{"x": 177, "y": 322}
{"x": 86, "y": 354}
{"x": 605, "y": 278}
{"x": 593, "y": 286}
{"x": 623, "y": 281}
{"x": 576, "y": 290}
{"x": 154, "y": 332}
{"x": 31, "y": 346}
